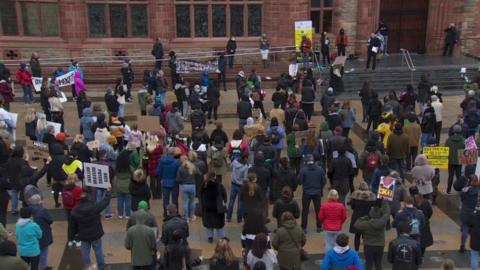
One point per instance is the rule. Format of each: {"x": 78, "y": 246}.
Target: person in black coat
{"x": 213, "y": 96}
{"x": 231, "y": 49}
{"x": 404, "y": 252}
{"x": 280, "y": 97}
{"x": 17, "y": 170}
{"x": 325, "y": 48}
{"x": 361, "y": 202}
{"x": 374, "y": 44}
{"x": 55, "y": 171}
{"x": 451, "y": 38}
{"x": 469, "y": 197}
{"x": 222, "y": 71}
{"x": 139, "y": 189}
{"x": 339, "y": 172}
{"x": 426, "y": 237}
{"x": 177, "y": 254}
{"x": 219, "y": 132}
{"x": 285, "y": 204}
{"x": 157, "y": 52}
{"x": 308, "y": 98}
{"x": 244, "y": 111}
{"x": 474, "y": 230}
{"x": 213, "y": 199}
{"x": 4, "y": 199}
{"x": 82, "y": 150}
{"x": 128, "y": 76}
{"x": 111, "y": 102}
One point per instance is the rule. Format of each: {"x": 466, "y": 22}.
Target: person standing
{"x": 239, "y": 175}
{"x": 341, "y": 256}
{"x": 469, "y": 197}
{"x": 361, "y": 202}
{"x": 28, "y": 235}
{"x": 157, "y": 52}
{"x": 312, "y": 178}
{"x": 332, "y": 215}
{"x": 438, "y": 108}
{"x": 231, "y": 49}
{"x": 186, "y": 176}
{"x": 308, "y": 98}
{"x": 213, "y": 199}
{"x": 428, "y": 125}
{"x": 223, "y": 258}
{"x": 397, "y": 149}
{"x": 244, "y": 111}
{"x": 217, "y": 154}
{"x": 70, "y": 198}
{"x": 56, "y": 109}
{"x": 422, "y": 175}
{"x": 404, "y": 252}
{"x": 35, "y": 65}
{"x": 474, "y": 230}
{"x": 87, "y": 219}
{"x": 166, "y": 175}
{"x": 454, "y": 143}
{"x": 339, "y": 172}
{"x": 24, "y": 78}
{"x": 128, "y": 77}
{"x": 341, "y": 41}
{"x": 306, "y": 49}
{"x": 44, "y": 220}
{"x": 289, "y": 240}
{"x": 414, "y": 218}
{"x": 373, "y": 48}
{"x": 383, "y": 29}
{"x": 325, "y": 48}
{"x": 413, "y": 131}
{"x": 222, "y": 71}
{"x": 451, "y": 38}
{"x": 140, "y": 240}
{"x": 264, "y": 49}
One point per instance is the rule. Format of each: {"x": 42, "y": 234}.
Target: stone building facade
{"x": 99, "y": 28}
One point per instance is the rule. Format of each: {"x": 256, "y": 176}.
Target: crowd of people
{"x": 268, "y": 157}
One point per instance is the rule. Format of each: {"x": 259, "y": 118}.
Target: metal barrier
{"x": 407, "y": 58}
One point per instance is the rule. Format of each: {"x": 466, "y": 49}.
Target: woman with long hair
{"x": 213, "y": 199}
{"x": 341, "y": 42}
{"x": 311, "y": 146}
{"x": 223, "y": 258}
{"x": 31, "y": 124}
{"x": 123, "y": 174}
{"x": 253, "y": 198}
{"x": 56, "y": 109}
{"x": 186, "y": 176}
{"x": 253, "y": 225}
{"x": 288, "y": 240}
{"x": 261, "y": 251}
{"x": 348, "y": 116}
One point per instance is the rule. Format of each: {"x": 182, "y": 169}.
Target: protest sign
{"x": 37, "y": 149}
{"x": 302, "y": 28}
{"x": 96, "y": 175}
{"x": 467, "y": 157}
{"x": 477, "y": 169}
{"x": 37, "y": 83}
{"x": 386, "y": 188}
{"x": 186, "y": 66}
{"x": 470, "y": 143}
{"x": 93, "y": 144}
{"x": 62, "y": 97}
{"x": 66, "y": 79}
{"x": 56, "y": 127}
{"x": 437, "y": 156}
{"x": 148, "y": 123}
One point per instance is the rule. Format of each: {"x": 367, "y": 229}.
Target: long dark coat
{"x": 212, "y": 216}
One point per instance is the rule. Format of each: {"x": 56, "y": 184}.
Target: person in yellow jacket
{"x": 73, "y": 165}
{"x": 386, "y": 127}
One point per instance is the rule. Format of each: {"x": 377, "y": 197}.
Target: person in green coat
{"x": 123, "y": 174}
{"x": 455, "y": 142}
{"x": 292, "y": 152}
{"x": 142, "y": 100}
{"x": 373, "y": 231}
{"x": 289, "y": 240}
{"x": 140, "y": 240}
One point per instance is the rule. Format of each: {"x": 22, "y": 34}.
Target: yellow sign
{"x": 302, "y": 28}
{"x": 437, "y": 156}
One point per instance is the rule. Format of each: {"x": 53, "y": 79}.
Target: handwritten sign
{"x": 467, "y": 157}
{"x": 437, "y": 156}
{"x": 66, "y": 79}
{"x": 38, "y": 149}
{"x": 386, "y": 188}
{"x": 96, "y": 175}
{"x": 37, "y": 83}
{"x": 148, "y": 123}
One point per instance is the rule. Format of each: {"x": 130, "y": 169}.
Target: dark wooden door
{"x": 407, "y": 23}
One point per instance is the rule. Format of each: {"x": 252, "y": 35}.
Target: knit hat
{"x": 330, "y": 90}
{"x": 60, "y": 137}
{"x": 35, "y": 199}
{"x": 309, "y": 158}
{"x": 111, "y": 139}
{"x": 23, "y": 65}
{"x": 457, "y": 129}
{"x": 249, "y": 121}
{"x": 143, "y": 205}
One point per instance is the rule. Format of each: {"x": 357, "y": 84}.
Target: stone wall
{"x": 345, "y": 16}
{"x": 470, "y": 29}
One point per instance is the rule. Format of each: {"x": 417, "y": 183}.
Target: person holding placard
{"x": 374, "y": 44}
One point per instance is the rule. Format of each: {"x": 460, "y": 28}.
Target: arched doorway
{"x": 407, "y": 23}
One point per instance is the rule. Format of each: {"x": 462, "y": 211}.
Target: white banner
{"x": 66, "y": 79}
{"x": 96, "y": 175}
{"x": 37, "y": 83}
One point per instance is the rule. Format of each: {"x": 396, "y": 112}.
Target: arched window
{"x": 321, "y": 14}
{"x": 218, "y": 18}
{"x": 29, "y": 18}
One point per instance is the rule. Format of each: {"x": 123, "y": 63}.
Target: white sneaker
{"x": 194, "y": 218}
{"x": 120, "y": 217}
{"x": 78, "y": 243}
{"x": 127, "y": 217}
{"x": 70, "y": 243}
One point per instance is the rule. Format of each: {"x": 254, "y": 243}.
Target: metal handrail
{"x": 408, "y": 59}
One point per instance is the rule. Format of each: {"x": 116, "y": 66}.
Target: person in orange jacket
{"x": 341, "y": 42}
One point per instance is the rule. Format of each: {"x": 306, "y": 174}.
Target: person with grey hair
{"x": 451, "y": 38}
{"x": 44, "y": 220}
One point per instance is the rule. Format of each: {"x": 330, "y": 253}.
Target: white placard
{"x": 37, "y": 84}
{"x": 96, "y": 175}
{"x": 375, "y": 49}
{"x": 63, "y": 98}
{"x": 66, "y": 79}
{"x": 477, "y": 169}
{"x": 57, "y": 127}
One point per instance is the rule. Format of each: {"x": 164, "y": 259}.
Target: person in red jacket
{"x": 237, "y": 146}
{"x": 342, "y": 42}
{"x": 306, "y": 48}
{"x": 332, "y": 215}
{"x": 154, "y": 153}
{"x": 71, "y": 197}
{"x": 24, "y": 78}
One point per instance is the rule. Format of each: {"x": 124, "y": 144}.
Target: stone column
{"x": 470, "y": 30}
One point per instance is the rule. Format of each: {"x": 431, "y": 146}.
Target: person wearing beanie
{"x": 141, "y": 241}
{"x": 44, "y": 220}
{"x": 28, "y": 235}
{"x": 372, "y": 227}
{"x": 454, "y": 143}
{"x": 150, "y": 221}
{"x": 397, "y": 149}
{"x": 24, "y": 78}
{"x": 341, "y": 256}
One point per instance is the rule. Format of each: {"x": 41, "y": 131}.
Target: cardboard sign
{"x": 437, "y": 156}
{"x": 66, "y": 79}
{"x": 96, "y": 175}
{"x": 470, "y": 143}
{"x": 37, "y": 84}
{"x": 93, "y": 144}
{"x": 57, "y": 127}
{"x": 339, "y": 61}
{"x": 467, "y": 157}
{"x": 386, "y": 188}
{"x": 148, "y": 123}
{"x": 37, "y": 149}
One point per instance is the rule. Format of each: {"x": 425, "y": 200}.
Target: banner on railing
{"x": 186, "y": 66}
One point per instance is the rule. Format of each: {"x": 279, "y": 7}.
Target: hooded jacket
{"x": 244, "y": 108}
{"x": 167, "y": 171}
{"x": 361, "y": 202}
{"x": 84, "y": 154}
{"x": 175, "y": 121}
{"x": 239, "y": 172}
{"x": 263, "y": 172}
{"x": 422, "y": 175}
{"x": 44, "y": 220}
{"x": 397, "y": 145}
{"x": 111, "y": 102}
{"x": 312, "y": 178}
{"x": 469, "y": 197}
{"x": 59, "y": 158}
{"x": 140, "y": 240}
{"x": 455, "y": 142}
{"x": 87, "y": 219}
{"x": 372, "y": 226}
{"x": 288, "y": 240}
{"x": 408, "y": 213}
{"x": 404, "y": 253}
{"x": 341, "y": 258}
{"x": 28, "y": 235}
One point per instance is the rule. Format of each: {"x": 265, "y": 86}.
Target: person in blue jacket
{"x": 167, "y": 174}
{"x": 44, "y": 220}
{"x": 341, "y": 256}
{"x": 28, "y": 235}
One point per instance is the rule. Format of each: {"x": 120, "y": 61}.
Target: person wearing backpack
{"x": 413, "y": 217}
{"x": 217, "y": 155}
{"x": 237, "y": 146}
{"x": 369, "y": 160}
{"x": 277, "y": 134}
{"x": 70, "y": 198}
{"x": 454, "y": 143}
{"x": 404, "y": 252}
{"x": 428, "y": 125}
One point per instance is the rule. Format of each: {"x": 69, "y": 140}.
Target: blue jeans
{"x": 188, "y": 199}
{"x": 100, "y": 195}
{"x": 464, "y": 235}
{"x": 124, "y": 203}
{"x": 97, "y": 249}
{"x": 241, "y": 123}
{"x": 330, "y": 239}
{"x": 426, "y": 138}
{"x": 234, "y": 191}
{"x": 121, "y": 110}
{"x": 14, "y": 194}
{"x": 166, "y": 192}
{"x": 42, "y": 265}
{"x": 398, "y": 165}
{"x": 473, "y": 260}
{"x": 27, "y": 94}
{"x": 163, "y": 96}
{"x": 220, "y": 233}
